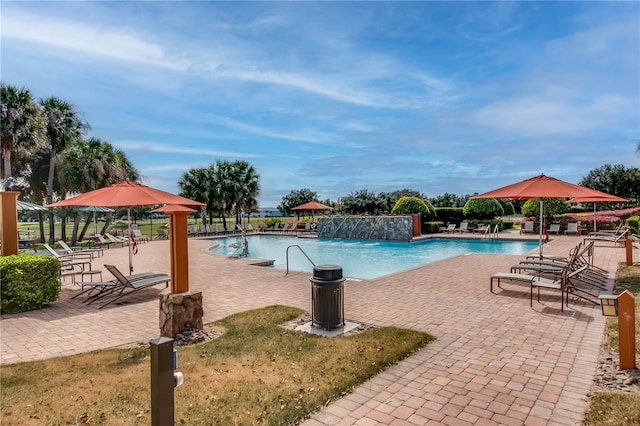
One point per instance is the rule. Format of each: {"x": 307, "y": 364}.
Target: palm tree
{"x": 198, "y": 184}
{"x": 22, "y": 124}
{"x": 247, "y": 188}
{"x": 63, "y": 126}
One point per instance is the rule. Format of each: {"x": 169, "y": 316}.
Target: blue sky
{"x": 336, "y": 97}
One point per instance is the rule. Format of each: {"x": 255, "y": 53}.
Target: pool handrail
{"x": 303, "y": 252}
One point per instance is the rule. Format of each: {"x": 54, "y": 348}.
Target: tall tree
{"x": 247, "y": 188}
{"x": 296, "y": 198}
{"x": 63, "y": 126}
{"x": 22, "y": 125}
{"x": 616, "y": 180}
{"x": 200, "y": 184}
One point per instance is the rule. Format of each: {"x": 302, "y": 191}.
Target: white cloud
{"x": 178, "y": 149}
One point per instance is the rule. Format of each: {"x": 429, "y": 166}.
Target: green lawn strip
{"x": 257, "y": 372}
{"x": 618, "y": 408}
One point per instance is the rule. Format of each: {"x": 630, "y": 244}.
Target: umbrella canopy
{"x": 23, "y": 206}
{"x": 312, "y": 205}
{"x": 604, "y": 198}
{"x": 95, "y": 210}
{"x": 541, "y": 187}
{"x": 126, "y": 194}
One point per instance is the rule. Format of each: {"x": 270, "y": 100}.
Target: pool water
{"x": 365, "y": 259}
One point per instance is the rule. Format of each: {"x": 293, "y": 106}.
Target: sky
{"x": 336, "y": 97}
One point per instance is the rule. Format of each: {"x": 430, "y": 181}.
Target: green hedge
{"x": 634, "y": 224}
{"x": 432, "y": 227}
{"x": 29, "y": 281}
{"x": 450, "y": 215}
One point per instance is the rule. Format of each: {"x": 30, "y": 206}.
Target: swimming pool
{"x": 365, "y": 259}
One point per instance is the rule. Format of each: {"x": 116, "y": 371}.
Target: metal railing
{"x": 303, "y": 252}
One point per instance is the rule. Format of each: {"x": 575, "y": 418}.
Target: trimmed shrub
{"x": 634, "y": 224}
{"x": 450, "y": 214}
{"x": 507, "y": 206}
{"x": 551, "y": 206}
{"x": 431, "y": 227}
{"x": 414, "y": 205}
{"x": 482, "y": 208}
{"x": 29, "y": 281}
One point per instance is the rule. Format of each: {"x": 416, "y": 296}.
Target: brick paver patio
{"x": 495, "y": 360}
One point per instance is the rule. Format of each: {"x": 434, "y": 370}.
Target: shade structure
{"x": 126, "y": 194}
{"x": 23, "y": 206}
{"x": 541, "y": 187}
{"x": 312, "y": 205}
{"x": 604, "y": 198}
{"x": 95, "y": 210}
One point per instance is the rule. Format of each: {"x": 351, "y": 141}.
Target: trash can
{"x": 327, "y": 297}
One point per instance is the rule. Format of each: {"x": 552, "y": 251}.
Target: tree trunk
{"x": 6, "y": 164}
{"x": 76, "y": 225}
{"x": 63, "y": 225}
{"x": 52, "y": 224}
{"x": 86, "y": 226}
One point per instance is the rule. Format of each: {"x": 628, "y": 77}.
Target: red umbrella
{"x": 540, "y": 187}
{"x": 312, "y": 205}
{"x": 603, "y": 198}
{"x": 126, "y": 194}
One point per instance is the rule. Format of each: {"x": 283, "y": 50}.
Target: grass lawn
{"x": 616, "y": 408}
{"x": 257, "y": 372}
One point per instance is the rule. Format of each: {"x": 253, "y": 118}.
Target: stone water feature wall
{"x": 392, "y": 228}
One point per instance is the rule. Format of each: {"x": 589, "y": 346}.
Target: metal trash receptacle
{"x": 327, "y": 297}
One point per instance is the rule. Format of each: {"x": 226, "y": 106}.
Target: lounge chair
{"x": 572, "y": 228}
{"x": 464, "y": 227}
{"x": 220, "y": 229}
{"x": 138, "y": 237}
{"x": 94, "y": 252}
{"x": 115, "y": 240}
{"x": 616, "y": 239}
{"x": 449, "y": 228}
{"x": 85, "y": 257}
{"x": 212, "y": 229}
{"x": 483, "y": 229}
{"x": 191, "y": 231}
{"x": 249, "y": 228}
{"x": 126, "y": 285}
{"x": 554, "y": 228}
{"x": 203, "y": 229}
{"x": 527, "y": 227}
{"x": 610, "y": 232}
{"x": 228, "y": 230}
{"x": 162, "y": 234}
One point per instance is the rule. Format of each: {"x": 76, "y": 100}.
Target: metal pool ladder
{"x": 303, "y": 252}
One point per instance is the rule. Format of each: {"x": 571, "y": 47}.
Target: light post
{"x": 623, "y": 306}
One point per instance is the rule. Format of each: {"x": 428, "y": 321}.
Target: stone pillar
{"x": 179, "y": 311}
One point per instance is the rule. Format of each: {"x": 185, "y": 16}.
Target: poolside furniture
{"x": 101, "y": 241}
{"x": 191, "y": 231}
{"x": 554, "y": 228}
{"x": 138, "y": 237}
{"x": 572, "y": 228}
{"x": 212, "y": 229}
{"x": 220, "y": 229}
{"x": 203, "y": 229}
{"x": 228, "y": 230}
{"x": 115, "y": 240}
{"x": 610, "y": 232}
{"x": 94, "y": 252}
{"x": 526, "y": 227}
{"x": 449, "y": 228}
{"x": 249, "y": 228}
{"x": 464, "y": 227}
{"x": 483, "y": 229}
{"x": 616, "y": 239}
{"x": 126, "y": 285}
{"x": 162, "y": 234}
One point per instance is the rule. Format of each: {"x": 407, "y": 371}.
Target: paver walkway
{"x": 495, "y": 360}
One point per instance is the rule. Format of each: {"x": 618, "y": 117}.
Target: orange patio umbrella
{"x": 126, "y": 194}
{"x": 603, "y": 198}
{"x": 541, "y": 187}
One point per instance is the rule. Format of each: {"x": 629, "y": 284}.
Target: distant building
{"x": 267, "y": 212}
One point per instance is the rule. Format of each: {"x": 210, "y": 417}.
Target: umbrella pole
{"x": 130, "y": 248}
{"x": 541, "y": 226}
{"x": 594, "y": 217}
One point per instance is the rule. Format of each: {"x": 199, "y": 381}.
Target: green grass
{"x": 257, "y": 372}
{"x": 616, "y": 408}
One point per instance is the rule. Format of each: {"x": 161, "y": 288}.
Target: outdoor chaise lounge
{"x": 608, "y": 239}
{"x": 124, "y": 285}
{"x": 464, "y": 227}
{"x": 572, "y": 228}
{"x": 527, "y": 227}
{"x": 93, "y": 252}
{"x": 162, "y": 234}
{"x": 449, "y": 228}
{"x": 554, "y": 228}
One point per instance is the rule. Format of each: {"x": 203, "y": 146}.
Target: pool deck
{"x": 495, "y": 360}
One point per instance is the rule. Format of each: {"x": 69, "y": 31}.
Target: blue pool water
{"x": 365, "y": 259}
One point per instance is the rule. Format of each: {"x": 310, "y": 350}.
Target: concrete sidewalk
{"x": 495, "y": 361}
